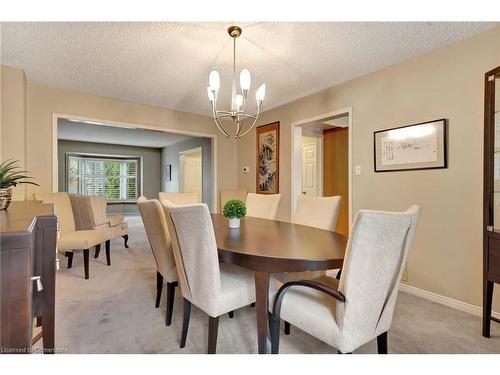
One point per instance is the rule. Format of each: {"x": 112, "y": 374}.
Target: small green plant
{"x": 11, "y": 175}
{"x": 235, "y": 209}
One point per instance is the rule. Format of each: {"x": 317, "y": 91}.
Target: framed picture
{"x": 268, "y": 154}
{"x": 168, "y": 172}
{"x": 411, "y": 147}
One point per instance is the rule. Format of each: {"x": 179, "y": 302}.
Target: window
{"x": 113, "y": 178}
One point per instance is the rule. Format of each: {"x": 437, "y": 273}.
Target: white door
{"x": 309, "y": 169}
{"x": 190, "y": 177}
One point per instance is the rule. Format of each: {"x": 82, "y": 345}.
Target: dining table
{"x": 271, "y": 247}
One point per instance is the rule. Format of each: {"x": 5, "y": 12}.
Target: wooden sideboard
{"x": 28, "y": 232}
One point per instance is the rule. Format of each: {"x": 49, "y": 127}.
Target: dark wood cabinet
{"x": 491, "y": 196}
{"x": 28, "y": 251}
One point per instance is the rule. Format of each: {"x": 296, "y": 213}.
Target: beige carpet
{"x": 114, "y": 312}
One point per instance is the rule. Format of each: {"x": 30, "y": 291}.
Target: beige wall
{"x": 13, "y": 119}
{"x": 447, "y": 82}
{"x": 43, "y": 101}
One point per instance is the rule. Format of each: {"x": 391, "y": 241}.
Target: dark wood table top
{"x": 20, "y": 216}
{"x": 276, "y": 246}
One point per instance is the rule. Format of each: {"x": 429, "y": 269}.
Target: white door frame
{"x": 296, "y": 156}
{"x": 96, "y": 121}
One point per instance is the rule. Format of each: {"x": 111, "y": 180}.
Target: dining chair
{"x": 358, "y": 308}
{"x": 227, "y": 195}
{"x": 318, "y": 212}
{"x": 70, "y": 239}
{"x": 90, "y": 213}
{"x": 155, "y": 224}
{"x": 179, "y": 198}
{"x": 264, "y": 206}
{"x": 214, "y": 288}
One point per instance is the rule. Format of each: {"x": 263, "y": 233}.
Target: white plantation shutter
{"x": 113, "y": 178}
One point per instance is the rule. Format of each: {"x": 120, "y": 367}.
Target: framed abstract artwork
{"x": 268, "y": 153}
{"x": 411, "y": 147}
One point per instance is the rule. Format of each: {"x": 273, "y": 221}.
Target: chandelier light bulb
{"x": 210, "y": 94}
{"x": 261, "y": 93}
{"x": 214, "y": 80}
{"x": 245, "y": 79}
{"x": 239, "y": 101}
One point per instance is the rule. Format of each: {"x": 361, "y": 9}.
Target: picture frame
{"x": 268, "y": 154}
{"x": 168, "y": 172}
{"x": 412, "y": 147}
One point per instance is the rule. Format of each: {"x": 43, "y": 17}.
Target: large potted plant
{"x": 234, "y": 210}
{"x": 10, "y": 176}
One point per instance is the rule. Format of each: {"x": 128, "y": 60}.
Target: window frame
{"x": 119, "y": 158}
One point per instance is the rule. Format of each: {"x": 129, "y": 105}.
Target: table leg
{"x": 261, "y": 309}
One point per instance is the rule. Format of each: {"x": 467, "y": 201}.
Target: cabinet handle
{"x": 38, "y": 279}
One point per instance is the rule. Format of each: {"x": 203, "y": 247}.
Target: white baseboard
{"x": 450, "y": 302}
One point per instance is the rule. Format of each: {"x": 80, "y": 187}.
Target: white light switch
{"x": 246, "y": 169}
{"x": 357, "y": 170}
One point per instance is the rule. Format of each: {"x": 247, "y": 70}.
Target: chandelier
{"x": 237, "y": 114}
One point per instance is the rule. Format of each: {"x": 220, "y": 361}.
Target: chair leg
{"x": 213, "y": 329}
{"x": 86, "y": 262}
{"x": 125, "y": 240}
{"x": 185, "y": 322}
{"x": 382, "y": 343}
{"x": 287, "y": 328}
{"x": 108, "y": 253}
{"x": 487, "y": 303}
{"x": 170, "y": 302}
{"x": 159, "y": 288}
{"x": 231, "y": 314}
{"x": 69, "y": 254}
{"x": 274, "y": 328}
{"x": 97, "y": 251}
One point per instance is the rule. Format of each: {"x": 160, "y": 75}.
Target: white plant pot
{"x": 234, "y": 222}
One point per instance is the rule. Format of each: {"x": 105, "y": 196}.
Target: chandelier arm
{"x": 242, "y": 116}
{"x": 254, "y": 121}
{"x": 216, "y": 119}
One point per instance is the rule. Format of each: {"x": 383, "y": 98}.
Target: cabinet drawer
{"x": 494, "y": 246}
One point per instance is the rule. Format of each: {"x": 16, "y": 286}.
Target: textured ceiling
{"x": 167, "y": 64}
{"x": 79, "y": 131}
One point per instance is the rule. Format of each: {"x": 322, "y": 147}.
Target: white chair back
{"x": 318, "y": 212}
{"x": 376, "y": 253}
{"x": 264, "y": 206}
{"x": 179, "y": 198}
{"x": 155, "y": 224}
{"x": 195, "y": 252}
{"x": 62, "y": 209}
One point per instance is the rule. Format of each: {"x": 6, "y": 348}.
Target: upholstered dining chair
{"x": 90, "y": 213}
{"x": 214, "y": 288}
{"x": 70, "y": 238}
{"x": 155, "y": 224}
{"x": 264, "y": 206}
{"x": 358, "y": 308}
{"x": 179, "y": 198}
{"x": 318, "y": 212}
{"x": 227, "y": 195}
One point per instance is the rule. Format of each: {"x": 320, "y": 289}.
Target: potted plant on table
{"x": 10, "y": 176}
{"x": 234, "y": 210}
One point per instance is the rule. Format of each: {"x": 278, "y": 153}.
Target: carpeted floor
{"x": 114, "y": 312}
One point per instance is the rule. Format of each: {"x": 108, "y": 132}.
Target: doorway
{"x": 322, "y": 161}
{"x": 191, "y": 172}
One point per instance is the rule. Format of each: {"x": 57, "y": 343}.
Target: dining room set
{"x": 340, "y": 290}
